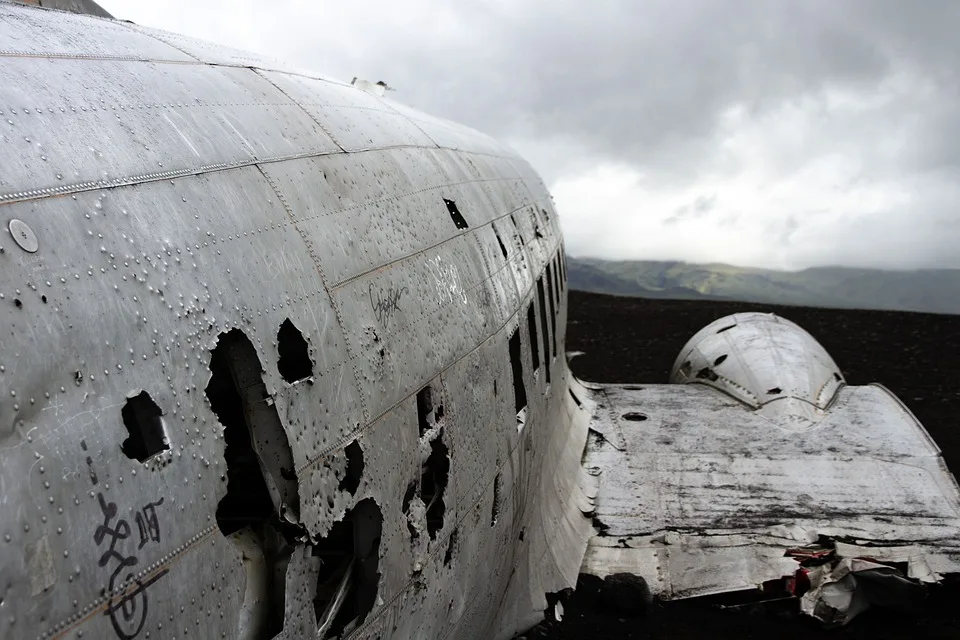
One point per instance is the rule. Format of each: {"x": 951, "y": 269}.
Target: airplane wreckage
{"x": 283, "y": 358}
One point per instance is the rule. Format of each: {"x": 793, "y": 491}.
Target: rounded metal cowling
{"x": 764, "y": 361}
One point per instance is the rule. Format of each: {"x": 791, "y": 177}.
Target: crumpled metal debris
{"x": 835, "y": 590}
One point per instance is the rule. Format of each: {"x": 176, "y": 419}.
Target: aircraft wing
{"x": 708, "y": 487}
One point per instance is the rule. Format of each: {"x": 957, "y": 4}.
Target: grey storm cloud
{"x": 645, "y": 82}
{"x": 810, "y": 131}
{"x": 698, "y": 209}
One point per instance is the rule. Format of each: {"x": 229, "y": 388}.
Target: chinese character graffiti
{"x": 147, "y": 523}
{"x": 127, "y": 609}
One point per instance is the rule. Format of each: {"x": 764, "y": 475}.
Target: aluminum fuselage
{"x": 245, "y": 277}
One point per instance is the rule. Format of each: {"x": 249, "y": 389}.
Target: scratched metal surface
{"x": 177, "y": 195}
{"x": 704, "y": 494}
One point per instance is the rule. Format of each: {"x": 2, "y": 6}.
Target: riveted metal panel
{"x": 518, "y": 266}
{"x": 551, "y": 525}
{"x": 134, "y": 310}
{"x": 299, "y": 619}
{"x": 503, "y": 198}
{"x": 533, "y": 183}
{"x": 757, "y": 487}
{"x": 483, "y": 440}
{"x": 479, "y": 167}
{"x": 139, "y": 272}
{"x": 356, "y": 119}
{"x": 320, "y": 415}
{"x": 391, "y": 472}
{"x": 347, "y": 206}
{"x": 489, "y": 183}
{"x": 208, "y": 52}
{"x": 450, "y": 135}
{"x": 75, "y": 36}
{"x": 444, "y": 313}
{"x": 82, "y": 128}
{"x": 501, "y": 285}
{"x": 343, "y": 205}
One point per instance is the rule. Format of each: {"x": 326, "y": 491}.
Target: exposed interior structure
{"x": 142, "y": 418}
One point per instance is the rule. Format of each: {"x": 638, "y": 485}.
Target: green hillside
{"x": 932, "y": 290}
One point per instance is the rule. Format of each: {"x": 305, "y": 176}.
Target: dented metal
{"x": 189, "y": 200}
{"x": 279, "y": 359}
{"x": 764, "y": 361}
{"x": 702, "y": 489}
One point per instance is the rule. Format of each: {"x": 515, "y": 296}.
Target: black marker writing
{"x": 147, "y": 523}
{"x": 386, "y": 302}
{"x": 127, "y": 610}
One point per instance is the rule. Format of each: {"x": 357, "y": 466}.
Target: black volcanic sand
{"x": 916, "y": 355}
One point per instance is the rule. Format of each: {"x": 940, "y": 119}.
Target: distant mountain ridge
{"x": 930, "y": 290}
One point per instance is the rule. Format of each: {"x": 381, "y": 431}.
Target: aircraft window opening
{"x": 451, "y": 547}
{"x": 350, "y": 481}
{"x": 775, "y": 391}
{"x": 543, "y": 323}
{"x": 556, "y": 277}
{"x": 534, "y": 342}
{"x": 551, "y": 290}
{"x": 294, "y": 363}
{"x": 434, "y": 476}
{"x": 516, "y": 233}
{"x": 707, "y": 373}
{"x": 720, "y": 360}
{"x": 536, "y": 224}
{"x": 495, "y": 509}
{"x": 141, "y": 417}
{"x": 519, "y": 390}
{"x": 633, "y": 416}
{"x": 503, "y": 249}
{"x": 553, "y": 312}
{"x": 455, "y": 214}
{"x": 349, "y": 575}
{"x": 428, "y": 414}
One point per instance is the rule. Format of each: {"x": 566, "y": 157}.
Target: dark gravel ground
{"x": 916, "y": 355}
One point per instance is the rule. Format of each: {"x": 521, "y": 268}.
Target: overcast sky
{"x": 776, "y": 133}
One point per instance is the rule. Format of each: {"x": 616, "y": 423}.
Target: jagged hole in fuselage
{"x": 247, "y": 513}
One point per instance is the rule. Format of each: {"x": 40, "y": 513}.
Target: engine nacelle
{"x": 764, "y": 361}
